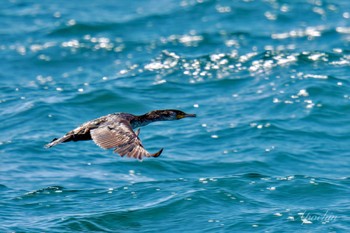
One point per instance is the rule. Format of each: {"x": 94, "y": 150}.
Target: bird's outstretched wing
{"x": 119, "y": 135}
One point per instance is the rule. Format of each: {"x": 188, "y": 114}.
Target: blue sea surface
{"x": 269, "y": 81}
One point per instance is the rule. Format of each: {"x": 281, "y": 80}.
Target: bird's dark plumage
{"x": 116, "y": 131}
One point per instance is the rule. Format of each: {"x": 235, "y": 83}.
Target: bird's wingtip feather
{"x": 158, "y": 153}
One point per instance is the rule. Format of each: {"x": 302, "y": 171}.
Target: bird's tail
{"x": 56, "y": 141}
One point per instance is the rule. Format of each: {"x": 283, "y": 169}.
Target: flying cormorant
{"x": 116, "y": 131}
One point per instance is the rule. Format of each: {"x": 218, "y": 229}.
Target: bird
{"x": 116, "y": 131}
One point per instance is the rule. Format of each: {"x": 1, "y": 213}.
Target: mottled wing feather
{"x": 80, "y": 133}
{"x": 119, "y": 135}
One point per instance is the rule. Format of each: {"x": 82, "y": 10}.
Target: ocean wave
{"x": 268, "y": 148}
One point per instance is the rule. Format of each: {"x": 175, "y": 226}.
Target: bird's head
{"x": 169, "y": 114}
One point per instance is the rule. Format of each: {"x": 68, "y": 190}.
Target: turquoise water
{"x": 268, "y": 80}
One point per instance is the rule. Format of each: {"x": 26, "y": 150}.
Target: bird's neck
{"x": 144, "y": 120}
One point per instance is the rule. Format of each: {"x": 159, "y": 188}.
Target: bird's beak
{"x": 180, "y": 116}
{"x": 190, "y": 115}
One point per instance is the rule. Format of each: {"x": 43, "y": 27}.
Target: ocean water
{"x": 268, "y": 80}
